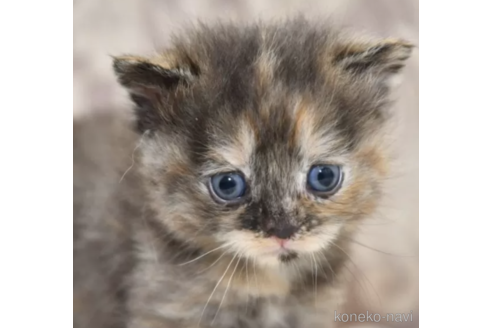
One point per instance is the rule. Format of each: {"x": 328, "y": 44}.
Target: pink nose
{"x": 280, "y": 241}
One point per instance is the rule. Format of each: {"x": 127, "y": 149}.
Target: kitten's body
{"x": 266, "y": 101}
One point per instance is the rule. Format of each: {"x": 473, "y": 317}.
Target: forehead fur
{"x": 276, "y": 83}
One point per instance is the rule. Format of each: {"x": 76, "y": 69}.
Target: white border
{"x": 36, "y": 164}
{"x": 455, "y": 160}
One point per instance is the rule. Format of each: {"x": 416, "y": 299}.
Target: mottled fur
{"x": 269, "y": 101}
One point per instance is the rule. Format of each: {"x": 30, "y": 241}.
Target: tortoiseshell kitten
{"x": 257, "y": 151}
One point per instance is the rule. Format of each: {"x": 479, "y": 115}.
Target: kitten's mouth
{"x": 283, "y": 254}
{"x": 282, "y": 250}
{"x": 288, "y": 256}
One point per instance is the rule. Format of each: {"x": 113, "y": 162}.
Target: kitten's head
{"x": 263, "y": 139}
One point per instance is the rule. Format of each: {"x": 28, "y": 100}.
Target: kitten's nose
{"x": 284, "y": 231}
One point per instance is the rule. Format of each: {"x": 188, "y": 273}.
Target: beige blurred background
{"x": 384, "y": 283}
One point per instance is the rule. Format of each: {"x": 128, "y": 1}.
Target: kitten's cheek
{"x": 307, "y": 245}
{"x": 316, "y": 241}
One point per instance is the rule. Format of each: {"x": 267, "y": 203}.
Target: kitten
{"x": 257, "y": 151}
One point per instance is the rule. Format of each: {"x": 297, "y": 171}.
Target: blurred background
{"x": 385, "y": 259}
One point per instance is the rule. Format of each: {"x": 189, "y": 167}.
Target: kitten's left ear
{"x": 152, "y": 83}
{"x": 382, "y": 60}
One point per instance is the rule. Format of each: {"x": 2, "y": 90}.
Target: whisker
{"x": 312, "y": 274}
{"x": 321, "y": 267}
{"x": 186, "y": 249}
{"x": 315, "y": 282}
{"x": 247, "y": 274}
{"x": 215, "y": 288}
{"x": 377, "y": 250}
{"x": 205, "y": 254}
{"x": 247, "y": 282}
{"x": 227, "y": 288}
{"x": 133, "y": 156}
{"x": 211, "y": 265}
{"x": 299, "y": 274}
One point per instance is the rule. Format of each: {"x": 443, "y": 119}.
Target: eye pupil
{"x": 325, "y": 176}
{"x": 227, "y": 185}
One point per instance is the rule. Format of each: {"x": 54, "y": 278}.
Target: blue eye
{"x": 228, "y": 186}
{"x": 324, "y": 178}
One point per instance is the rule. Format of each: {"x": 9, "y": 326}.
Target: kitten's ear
{"x": 382, "y": 60}
{"x": 151, "y": 83}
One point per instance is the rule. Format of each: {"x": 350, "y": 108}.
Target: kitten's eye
{"x": 228, "y": 186}
{"x": 324, "y": 178}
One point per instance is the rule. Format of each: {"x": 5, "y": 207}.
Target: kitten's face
{"x": 270, "y": 148}
{"x": 268, "y": 188}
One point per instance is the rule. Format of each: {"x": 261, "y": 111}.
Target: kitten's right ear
{"x": 151, "y": 83}
{"x": 382, "y": 60}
